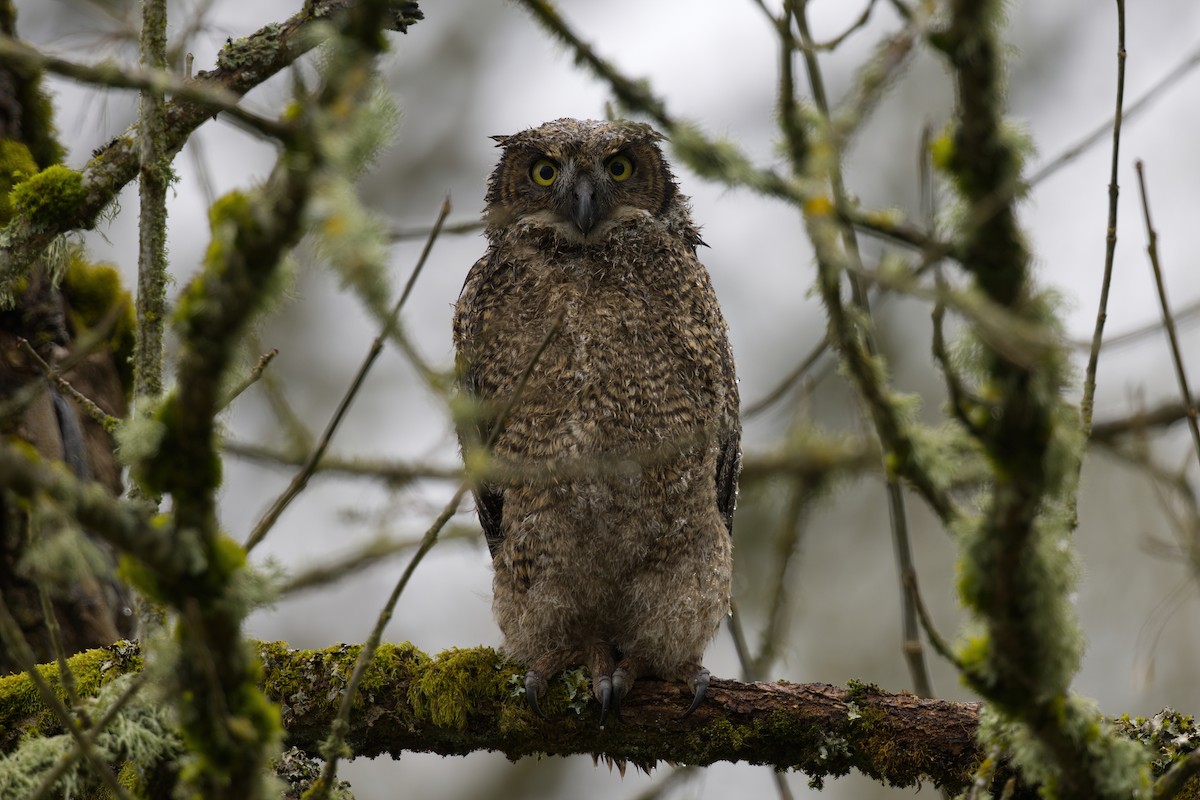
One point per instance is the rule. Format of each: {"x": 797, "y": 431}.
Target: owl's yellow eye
{"x": 620, "y": 168}
{"x": 544, "y": 172}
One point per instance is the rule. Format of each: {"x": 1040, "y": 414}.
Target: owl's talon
{"x": 699, "y": 683}
{"x": 605, "y": 688}
{"x": 535, "y": 686}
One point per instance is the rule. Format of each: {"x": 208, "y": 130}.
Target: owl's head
{"x": 580, "y": 177}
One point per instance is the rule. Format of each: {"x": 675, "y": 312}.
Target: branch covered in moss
{"x": 241, "y": 65}
{"x": 1016, "y": 573}
{"x": 469, "y": 699}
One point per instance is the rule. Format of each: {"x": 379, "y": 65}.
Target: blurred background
{"x": 473, "y": 69}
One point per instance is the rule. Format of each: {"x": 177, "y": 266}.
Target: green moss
{"x": 291, "y": 672}
{"x": 725, "y": 735}
{"x": 450, "y": 686}
{"x": 228, "y": 218}
{"x": 50, "y": 196}
{"x": 228, "y": 556}
{"x": 93, "y": 669}
{"x": 16, "y": 165}
{"x": 96, "y": 298}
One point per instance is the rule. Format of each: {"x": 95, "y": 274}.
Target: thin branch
{"x": 300, "y": 481}
{"x": 786, "y": 539}
{"x": 407, "y": 234}
{"x": 1162, "y": 416}
{"x": 242, "y": 64}
{"x": 956, "y": 391}
{"x": 368, "y": 556}
{"x": 1105, "y": 128}
{"x": 54, "y": 375}
{"x": 787, "y": 382}
{"x": 65, "y": 676}
{"x": 1189, "y": 315}
{"x": 835, "y": 42}
{"x": 392, "y": 473}
{"x": 255, "y": 373}
{"x": 936, "y": 640}
{"x": 152, "y": 79}
{"x": 1087, "y": 404}
{"x": 1168, "y": 320}
{"x": 914, "y": 652}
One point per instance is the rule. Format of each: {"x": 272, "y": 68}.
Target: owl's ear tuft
{"x": 500, "y": 140}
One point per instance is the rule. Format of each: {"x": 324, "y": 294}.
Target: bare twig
{"x": 790, "y": 380}
{"x": 1168, "y": 320}
{"x": 858, "y": 24}
{"x": 406, "y": 234}
{"x": 1186, "y": 316}
{"x": 1105, "y": 128}
{"x": 255, "y": 373}
{"x": 393, "y": 473}
{"x": 371, "y": 555}
{"x": 1140, "y": 421}
{"x": 1087, "y": 404}
{"x": 54, "y": 375}
{"x": 65, "y": 675}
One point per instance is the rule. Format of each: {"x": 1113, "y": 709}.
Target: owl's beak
{"x": 584, "y": 209}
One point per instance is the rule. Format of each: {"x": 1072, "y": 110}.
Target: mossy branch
{"x": 1016, "y": 572}
{"x": 467, "y": 700}
{"x": 241, "y": 65}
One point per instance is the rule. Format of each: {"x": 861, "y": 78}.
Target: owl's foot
{"x": 535, "y": 687}
{"x": 697, "y": 678}
{"x": 601, "y": 664}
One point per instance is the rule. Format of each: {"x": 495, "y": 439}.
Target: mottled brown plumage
{"x": 611, "y": 539}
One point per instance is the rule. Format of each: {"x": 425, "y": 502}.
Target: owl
{"x": 595, "y": 369}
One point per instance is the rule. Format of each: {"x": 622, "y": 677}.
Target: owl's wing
{"x": 729, "y": 464}
{"x": 477, "y": 431}
{"x": 729, "y": 454}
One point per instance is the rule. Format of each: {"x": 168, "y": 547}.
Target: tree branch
{"x": 241, "y": 65}
{"x": 464, "y": 700}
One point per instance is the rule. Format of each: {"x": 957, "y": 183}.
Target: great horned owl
{"x": 590, "y": 339}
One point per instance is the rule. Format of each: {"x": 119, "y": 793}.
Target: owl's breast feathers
{"x": 639, "y": 371}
